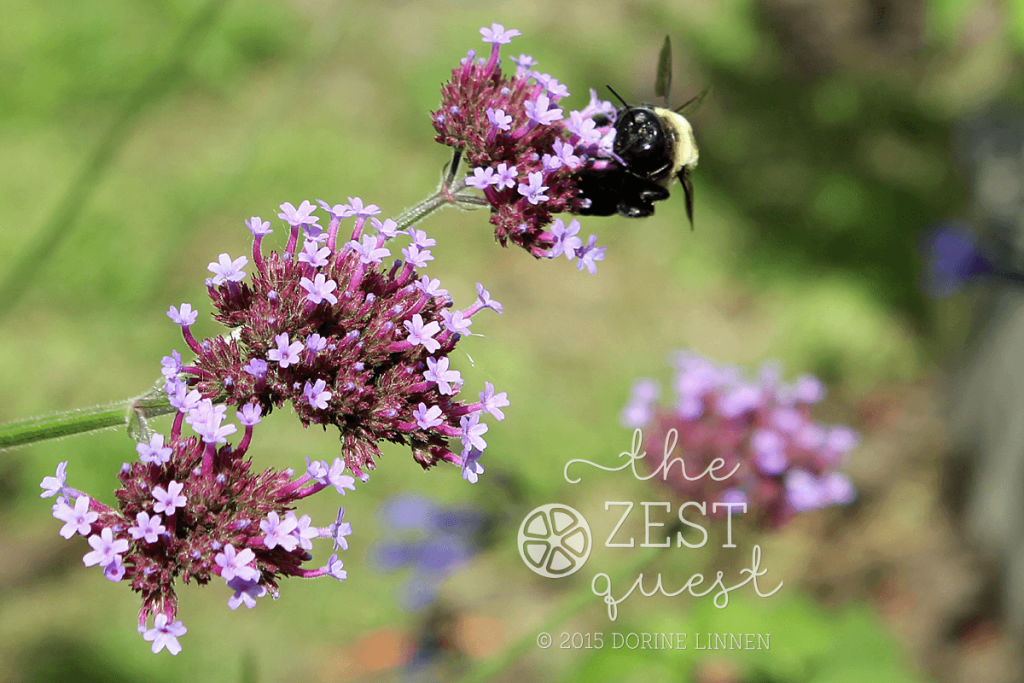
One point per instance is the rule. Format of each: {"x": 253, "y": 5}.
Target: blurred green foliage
{"x": 806, "y": 645}
{"x": 820, "y": 163}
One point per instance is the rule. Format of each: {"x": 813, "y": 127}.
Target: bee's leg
{"x": 635, "y": 209}
{"x": 638, "y": 197}
{"x": 684, "y": 178}
{"x": 651, "y": 192}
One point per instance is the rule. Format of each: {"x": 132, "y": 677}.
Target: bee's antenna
{"x": 624, "y": 103}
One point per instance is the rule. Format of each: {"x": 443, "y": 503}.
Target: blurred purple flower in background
{"x": 952, "y": 258}
{"x": 785, "y": 462}
{"x": 435, "y": 542}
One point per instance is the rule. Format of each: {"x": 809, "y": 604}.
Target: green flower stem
{"x": 447, "y": 194}
{"x": 24, "y": 432}
{"x": 420, "y": 211}
{"x": 581, "y": 598}
{"x": 439, "y": 200}
{"x": 130, "y": 413}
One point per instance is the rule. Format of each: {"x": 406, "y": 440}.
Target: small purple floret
{"x": 300, "y": 216}
{"x": 183, "y": 316}
{"x": 53, "y": 485}
{"x": 497, "y": 34}
{"x": 226, "y": 270}
{"x": 78, "y": 519}
{"x": 154, "y": 452}
{"x": 164, "y": 634}
{"x": 169, "y": 499}
{"x": 471, "y": 467}
{"x": 105, "y": 549}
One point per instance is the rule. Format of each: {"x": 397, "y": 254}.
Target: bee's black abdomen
{"x": 616, "y": 191}
{"x": 603, "y": 188}
{"x": 652, "y": 147}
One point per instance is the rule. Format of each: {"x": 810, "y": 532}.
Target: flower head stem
{"x": 301, "y": 492}
{"x": 208, "y": 454}
{"x": 83, "y": 420}
{"x": 332, "y": 234}
{"x": 453, "y": 168}
{"x": 243, "y": 445}
{"x": 357, "y": 229}
{"x": 418, "y": 212}
{"x": 186, "y": 332}
{"x": 176, "y": 427}
{"x": 257, "y": 252}
{"x": 293, "y": 239}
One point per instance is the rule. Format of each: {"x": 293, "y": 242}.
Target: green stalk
{"x": 58, "y": 425}
{"x": 420, "y": 211}
{"x": 447, "y": 194}
{"x": 130, "y": 413}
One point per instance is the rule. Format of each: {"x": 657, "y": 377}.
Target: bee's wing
{"x": 663, "y": 79}
{"x": 663, "y": 82}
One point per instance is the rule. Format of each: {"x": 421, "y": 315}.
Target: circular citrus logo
{"x": 554, "y": 540}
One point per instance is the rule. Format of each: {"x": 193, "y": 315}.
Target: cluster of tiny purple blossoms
{"x": 347, "y": 340}
{"x": 192, "y": 508}
{"x": 523, "y": 151}
{"x": 784, "y": 461}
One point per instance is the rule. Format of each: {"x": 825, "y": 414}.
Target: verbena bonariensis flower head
{"x": 523, "y": 150}
{"x": 191, "y": 508}
{"x": 349, "y": 341}
{"x": 785, "y": 461}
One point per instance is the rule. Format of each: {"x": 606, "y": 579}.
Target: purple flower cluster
{"x": 191, "y": 508}
{"x": 348, "y": 341}
{"x": 784, "y": 461}
{"x": 524, "y": 151}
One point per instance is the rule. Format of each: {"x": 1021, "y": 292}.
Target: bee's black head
{"x": 640, "y": 140}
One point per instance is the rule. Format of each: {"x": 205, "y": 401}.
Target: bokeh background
{"x": 136, "y": 137}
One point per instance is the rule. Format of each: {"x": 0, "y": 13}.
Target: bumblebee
{"x": 654, "y": 146}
